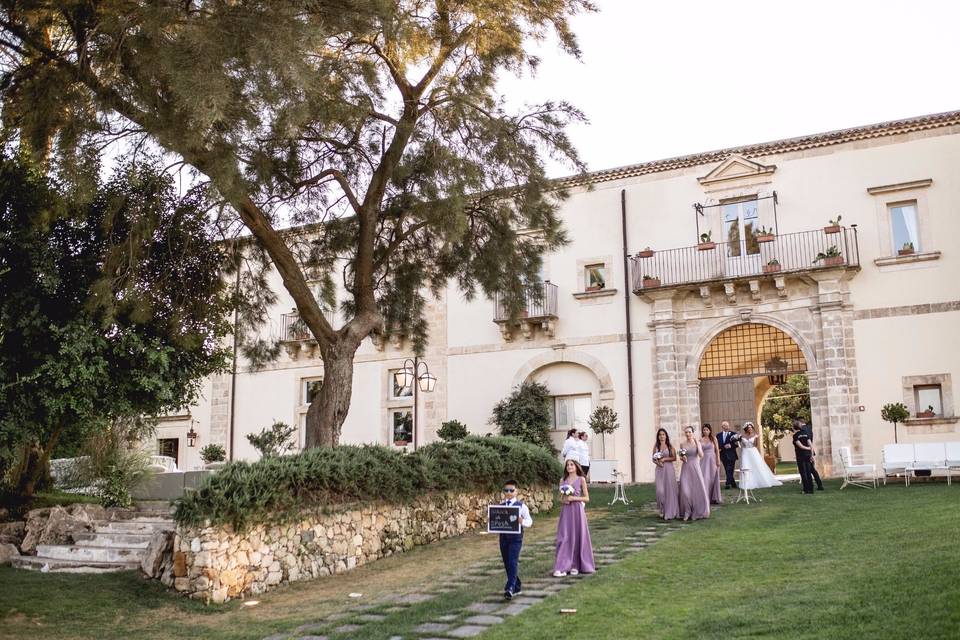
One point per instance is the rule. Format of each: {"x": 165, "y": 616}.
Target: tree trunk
{"x": 329, "y": 409}
{"x": 36, "y": 465}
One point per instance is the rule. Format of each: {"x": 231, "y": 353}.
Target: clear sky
{"x": 671, "y": 77}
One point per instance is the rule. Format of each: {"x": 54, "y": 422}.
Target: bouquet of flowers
{"x": 736, "y": 437}
{"x": 658, "y": 456}
{"x": 566, "y": 490}
{"x": 682, "y": 453}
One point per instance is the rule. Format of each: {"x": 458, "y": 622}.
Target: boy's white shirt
{"x": 525, "y": 518}
{"x": 583, "y": 453}
{"x": 571, "y": 449}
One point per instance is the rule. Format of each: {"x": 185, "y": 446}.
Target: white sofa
{"x": 907, "y": 459}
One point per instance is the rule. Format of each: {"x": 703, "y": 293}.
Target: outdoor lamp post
{"x": 411, "y": 375}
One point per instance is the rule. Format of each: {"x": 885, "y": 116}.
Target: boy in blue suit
{"x": 511, "y": 543}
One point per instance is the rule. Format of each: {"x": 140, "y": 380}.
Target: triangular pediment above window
{"x": 736, "y": 167}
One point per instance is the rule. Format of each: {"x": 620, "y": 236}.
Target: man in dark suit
{"x": 728, "y": 452}
{"x": 807, "y": 429}
{"x": 804, "y": 452}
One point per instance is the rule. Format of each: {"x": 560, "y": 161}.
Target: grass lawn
{"x": 837, "y": 565}
{"x": 787, "y": 467}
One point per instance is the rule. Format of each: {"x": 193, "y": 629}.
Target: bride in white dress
{"x": 759, "y": 476}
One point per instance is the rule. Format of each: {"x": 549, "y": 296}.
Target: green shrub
{"x": 282, "y": 489}
{"x": 525, "y": 414}
{"x": 452, "y": 430}
{"x": 273, "y": 441}
{"x": 213, "y": 453}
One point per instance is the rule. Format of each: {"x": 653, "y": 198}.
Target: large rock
{"x": 13, "y": 532}
{"x": 160, "y": 544}
{"x": 56, "y": 525}
{"x": 7, "y": 553}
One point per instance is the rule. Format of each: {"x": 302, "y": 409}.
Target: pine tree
{"x": 378, "y": 121}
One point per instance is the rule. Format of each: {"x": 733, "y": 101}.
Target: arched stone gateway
{"x": 809, "y": 325}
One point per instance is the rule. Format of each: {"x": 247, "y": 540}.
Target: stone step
{"x": 134, "y": 526}
{"x": 130, "y": 540}
{"x": 90, "y": 554}
{"x": 58, "y": 565}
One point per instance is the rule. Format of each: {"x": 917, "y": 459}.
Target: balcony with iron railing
{"x": 758, "y": 256}
{"x": 539, "y": 310}
{"x": 296, "y": 337}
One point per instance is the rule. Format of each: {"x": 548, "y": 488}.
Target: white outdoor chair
{"x": 930, "y": 456}
{"x": 163, "y": 464}
{"x": 897, "y": 459}
{"x": 952, "y": 450}
{"x": 858, "y": 474}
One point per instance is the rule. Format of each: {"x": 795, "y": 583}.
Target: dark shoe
{"x": 507, "y": 595}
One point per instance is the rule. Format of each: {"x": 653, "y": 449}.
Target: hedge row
{"x": 275, "y": 490}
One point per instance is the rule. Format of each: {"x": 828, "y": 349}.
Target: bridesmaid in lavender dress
{"x": 710, "y": 464}
{"x": 574, "y": 549}
{"x": 668, "y": 499}
{"x": 694, "y": 504}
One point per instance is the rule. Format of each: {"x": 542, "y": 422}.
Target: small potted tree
{"x": 834, "y": 226}
{"x": 765, "y": 235}
{"x": 650, "y": 282}
{"x": 646, "y": 253}
{"x": 452, "y": 430}
{"x": 906, "y": 249}
{"x": 894, "y": 412}
{"x": 928, "y": 412}
{"x": 214, "y": 456}
{"x": 602, "y": 421}
{"x": 831, "y": 257}
{"x": 773, "y": 266}
{"x": 706, "y": 243}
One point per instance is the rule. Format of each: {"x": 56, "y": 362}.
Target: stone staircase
{"x": 117, "y": 544}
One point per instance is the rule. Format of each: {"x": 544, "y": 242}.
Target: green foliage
{"x": 705, "y": 236}
{"x": 118, "y": 307}
{"x": 273, "y": 441}
{"x": 895, "y": 412}
{"x": 113, "y": 461}
{"x": 836, "y": 222}
{"x": 832, "y": 252}
{"x": 281, "y": 489}
{"x": 377, "y": 126}
{"x": 213, "y": 453}
{"x": 526, "y": 414}
{"x": 787, "y": 402}
{"x": 452, "y": 430}
{"x": 604, "y": 420}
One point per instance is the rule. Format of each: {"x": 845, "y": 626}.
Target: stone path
{"x": 455, "y": 618}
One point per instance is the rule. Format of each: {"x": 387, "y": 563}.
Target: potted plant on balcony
{"x": 705, "y": 242}
{"x": 772, "y": 267}
{"x": 650, "y": 282}
{"x": 831, "y": 257}
{"x": 765, "y": 235}
{"x": 928, "y": 413}
{"x": 834, "y": 226}
{"x": 906, "y": 249}
{"x": 646, "y": 253}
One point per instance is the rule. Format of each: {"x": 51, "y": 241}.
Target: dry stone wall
{"x": 218, "y": 563}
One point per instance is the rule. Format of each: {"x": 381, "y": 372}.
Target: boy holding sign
{"x": 511, "y": 543}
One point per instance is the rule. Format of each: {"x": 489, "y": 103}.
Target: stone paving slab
{"x": 484, "y": 620}
{"x": 484, "y": 607}
{"x": 432, "y": 627}
{"x": 312, "y": 638}
{"x": 448, "y": 618}
{"x": 415, "y": 598}
{"x": 467, "y": 631}
{"x": 514, "y": 609}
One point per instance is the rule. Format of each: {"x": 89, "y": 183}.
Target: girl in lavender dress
{"x": 574, "y": 549}
{"x": 694, "y": 504}
{"x": 710, "y": 464}
{"x": 668, "y": 499}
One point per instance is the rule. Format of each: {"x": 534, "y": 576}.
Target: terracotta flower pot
{"x": 926, "y": 414}
{"x": 834, "y": 228}
{"x": 767, "y": 237}
{"x": 771, "y": 268}
{"x": 646, "y": 253}
{"x": 905, "y": 252}
{"x": 706, "y": 246}
{"x": 833, "y": 261}
{"x": 650, "y": 283}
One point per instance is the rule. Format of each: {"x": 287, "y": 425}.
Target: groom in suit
{"x": 728, "y": 452}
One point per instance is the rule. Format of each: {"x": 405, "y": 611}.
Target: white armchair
{"x": 953, "y": 458}
{"x": 897, "y": 459}
{"x": 930, "y": 456}
{"x": 163, "y": 464}
{"x": 857, "y": 473}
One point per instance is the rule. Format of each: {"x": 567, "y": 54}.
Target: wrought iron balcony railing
{"x": 756, "y": 257}
{"x": 293, "y": 330}
{"x": 540, "y": 302}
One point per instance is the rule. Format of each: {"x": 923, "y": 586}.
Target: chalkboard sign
{"x": 503, "y": 518}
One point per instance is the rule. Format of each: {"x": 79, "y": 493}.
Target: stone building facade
{"x": 866, "y": 306}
